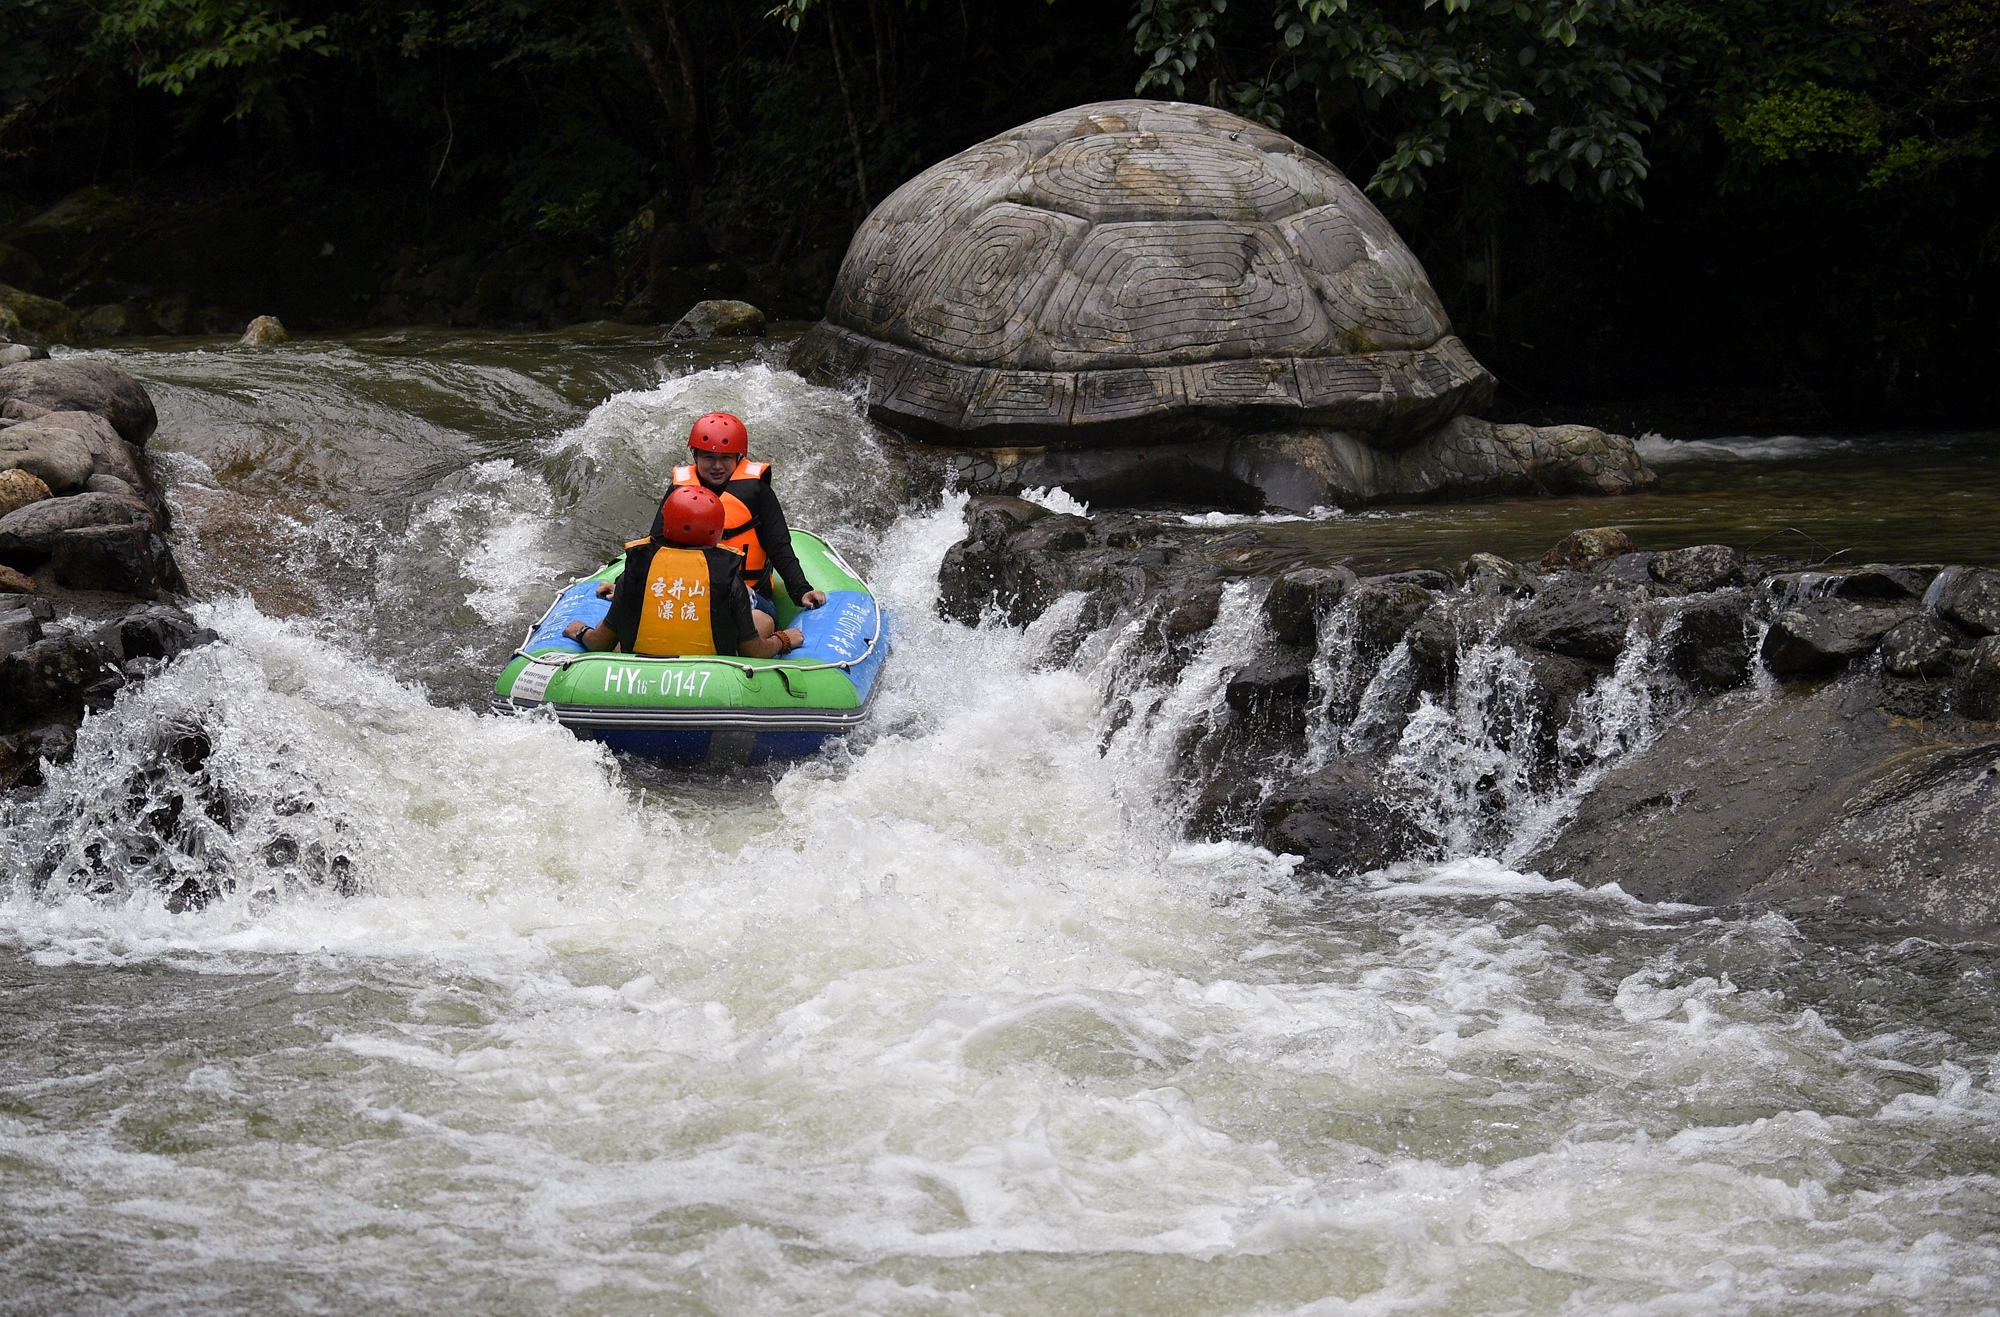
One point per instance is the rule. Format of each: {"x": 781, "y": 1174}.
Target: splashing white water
{"x": 949, "y": 1022}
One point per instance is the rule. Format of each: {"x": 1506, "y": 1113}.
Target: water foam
{"x": 950, "y": 1020}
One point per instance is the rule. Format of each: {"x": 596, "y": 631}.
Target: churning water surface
{"x": 948, "y": 1021}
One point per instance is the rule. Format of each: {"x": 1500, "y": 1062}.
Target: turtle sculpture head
{"x": 1138, "y": 268}
{"x": 1145, "y": 301}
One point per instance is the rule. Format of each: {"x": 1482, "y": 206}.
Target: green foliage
{"x": 1556, "y": 91}
{"x": 177, "y": 44}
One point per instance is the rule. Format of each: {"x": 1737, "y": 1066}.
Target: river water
{"x": 948, "y": 1021}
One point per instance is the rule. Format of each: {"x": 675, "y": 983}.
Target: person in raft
{"x": 754, "y": 524}
{"x": 680, "y": 594}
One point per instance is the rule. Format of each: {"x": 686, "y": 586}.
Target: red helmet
{"x": 719, "y": 432}
{"x": 691, "y": 516}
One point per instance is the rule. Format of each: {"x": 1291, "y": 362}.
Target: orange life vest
{"x": 674, "y": 613}
{"x": 739, "y": 525}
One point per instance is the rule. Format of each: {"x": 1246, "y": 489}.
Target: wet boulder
{"x": 1298, "y": 600}
{"x": 87, "y": 385}
{"x": 59, "y": 458}
{"x": 1920, "y": 646}
{"x": 1970, "y": 597}
{"x": 1579, "y": 616}
{"x": 1272, "y": 691}
{"x": 1708, "y": 640}
{"x": 29, "y": 536}
{"x": 19, "y": 628}
{"x": 1342, "y": 821}
{"x": 1976, "y": 690}
{"x": 154, "y": 631}
{"x": 54, "y": 678}
{"x": 1815, "y": 801}
{"x": 1487, "y": 573}
{"x": 1698, "y": 568}
{"x": 1821, "y": 636}
{"x": 1883, "y": 581}
{"x": 128, "y": 560}
{"x": 1580, "y": 548}
{"x": 1383, "y": 609}
{"x": 264, "y": 332}
{"x": 719, "y": 318}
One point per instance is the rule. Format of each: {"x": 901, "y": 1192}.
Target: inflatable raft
{"x": 710, "y": 708}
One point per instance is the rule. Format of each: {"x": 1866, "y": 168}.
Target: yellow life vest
{"x": 675, "y": 611}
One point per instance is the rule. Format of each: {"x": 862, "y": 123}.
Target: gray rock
{"x": 1384, "y": 610}
{"x": 1298, "y": 600}
{"x": 719, "y": 318}
{"x": 1821, "y": 636}
{"x": 1487, "y": 573}
{"x": 101, "y": 484}
{"x": 1271, "y": 691}
{"x": 14, "y": 353}
{"x": 1969, "y": 596}
{"x": 13, "y": 409}
{"x": 1808, "y": 802}
{"x": 28, "y": 537}
{"x": 1014, "y": 288}
{"x": 1343, "y": 821}
{"x": 159, "y": 631}
{"x": 58, "y": 457}
{"x": 1580, "y": 616}
{"x": 1883, "y": 581}
{"x": 114, "y": 320}
{"x": 264, "y": 332}
{"x": 109, "y": 454}
{"x": 1581, "y": 548}
{"x": 47, "y": 680}
{"x": 84, "y": 384}
{"x": 1921, "y": 646}
{"x": 1699, "y": 568}
{"x": 129, "y": 560}
{"x": 1976, "y": 690}
{"x": 19, "y": 628}
{"x": 1709, "y": 642}
{"x": 23, "y": 753}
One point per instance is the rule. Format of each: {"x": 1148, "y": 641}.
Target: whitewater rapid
{"x": 949, "y": 1020}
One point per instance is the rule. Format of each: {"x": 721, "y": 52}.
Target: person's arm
{"x": 731, "y": 594}
{"x": 596, "y": 638}
{"x": 623, "y": 614}
{"x": 776, "y": 537}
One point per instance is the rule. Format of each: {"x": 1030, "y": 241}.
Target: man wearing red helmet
{"x": 753, "y": 522}
{"x": 680, "y": 594}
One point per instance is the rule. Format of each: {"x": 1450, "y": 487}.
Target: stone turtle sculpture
{"x": 1146, "y": 272}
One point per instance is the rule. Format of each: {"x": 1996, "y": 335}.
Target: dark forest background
{"x": 1736, "y": 214}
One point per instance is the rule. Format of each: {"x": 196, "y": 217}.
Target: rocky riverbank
{"x": 1690, "y": 725}
{"x": 89, "y": 590}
